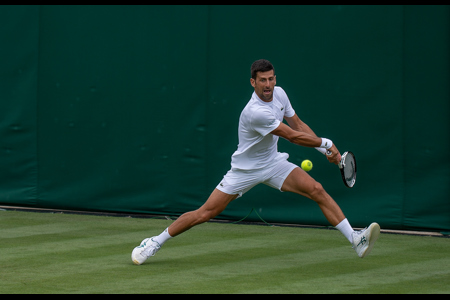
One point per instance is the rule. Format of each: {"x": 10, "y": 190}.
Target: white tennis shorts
{"x": 238, "y": 181}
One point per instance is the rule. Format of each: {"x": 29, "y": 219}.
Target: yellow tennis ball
{"x": 307, "y": 165}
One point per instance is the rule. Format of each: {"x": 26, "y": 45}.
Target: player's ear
{"x": 252, "y": 82}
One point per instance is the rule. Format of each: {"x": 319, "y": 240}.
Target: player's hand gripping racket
{"x": 347, "y": 166}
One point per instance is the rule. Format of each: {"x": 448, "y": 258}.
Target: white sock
{"x": 163, "y": 237}
{"x": 345, "y": 228}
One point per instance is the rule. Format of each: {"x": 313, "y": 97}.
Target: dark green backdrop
{"x": 135, "y": 108}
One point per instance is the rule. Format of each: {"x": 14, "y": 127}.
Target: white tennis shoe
{"x": 147, "y": 248}
{"x": 364, "y": 240}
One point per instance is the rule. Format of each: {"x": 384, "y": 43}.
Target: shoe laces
{"x": 151, "y": 248}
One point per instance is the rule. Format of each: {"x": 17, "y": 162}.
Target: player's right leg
{"x": 215, "y": 204}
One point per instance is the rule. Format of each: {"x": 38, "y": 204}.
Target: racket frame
{"x": 342, "y": 166}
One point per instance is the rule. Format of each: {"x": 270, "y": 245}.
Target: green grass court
{"x": 68, "y": 253}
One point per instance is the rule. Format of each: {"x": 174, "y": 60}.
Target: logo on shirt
{"x": 282, "y": 108}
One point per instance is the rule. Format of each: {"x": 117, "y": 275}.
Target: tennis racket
{"x": 347, "y": 166}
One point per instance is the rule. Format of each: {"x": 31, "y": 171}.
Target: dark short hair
{"x": 261, "y": 65}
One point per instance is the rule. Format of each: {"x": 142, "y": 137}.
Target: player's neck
{"x": 266, "y": 101}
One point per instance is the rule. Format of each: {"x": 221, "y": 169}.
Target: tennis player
{"x": 257, "y": 160}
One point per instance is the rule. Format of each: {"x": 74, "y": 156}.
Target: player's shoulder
{"x": 281, "y": 96}
{"x": 254, "y": 103}
{"x": 254, "y": 109}
{"x": 278, "y": 88}
{"x": 278, "y": 91}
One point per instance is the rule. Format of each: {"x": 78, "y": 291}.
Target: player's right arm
{"x": 302, "y": 138}
{"x": 298, "y": 125}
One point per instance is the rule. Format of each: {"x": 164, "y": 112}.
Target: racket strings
{"x": 349, "y": 167}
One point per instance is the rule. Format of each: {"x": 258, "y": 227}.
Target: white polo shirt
{"x": 257, "y": 148}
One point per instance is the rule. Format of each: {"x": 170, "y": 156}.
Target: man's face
{"x": 264, "y": 85}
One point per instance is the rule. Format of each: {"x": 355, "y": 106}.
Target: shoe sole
{"x": 374, "y": 230}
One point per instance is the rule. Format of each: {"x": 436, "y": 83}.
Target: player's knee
{"x": 205, "y": 216}
{"x": 317, "y": 192}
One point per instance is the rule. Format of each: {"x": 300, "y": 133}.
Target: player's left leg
{"x": 300, "y": 182}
